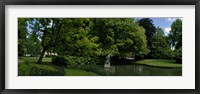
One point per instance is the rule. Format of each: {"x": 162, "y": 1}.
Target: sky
{"x": 164, "y": 23}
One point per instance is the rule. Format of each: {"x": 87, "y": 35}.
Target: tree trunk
{"x": 41, "y": 56}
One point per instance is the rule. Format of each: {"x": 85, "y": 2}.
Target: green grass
{"x": 159, "y": 63}
{"x": 34, "y": 59}
{"x": 46, "y": 67}
{"x": 28, "y": 67}
{"x": 46, "y": 59}
{"x": 34, "y": 69}
{"x": 75, "y": 72}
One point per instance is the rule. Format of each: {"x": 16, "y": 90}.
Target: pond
{"x": 130, "y": 70}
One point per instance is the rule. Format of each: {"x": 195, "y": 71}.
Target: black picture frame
{"x": 3, "y": 3}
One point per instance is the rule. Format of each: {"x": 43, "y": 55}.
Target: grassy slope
{"x": 159, "y": 63}
{"x": 34, "y": 69}
{"x": 24, "y": 69}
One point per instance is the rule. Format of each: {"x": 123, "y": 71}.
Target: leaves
{"x": 96, "y": 37}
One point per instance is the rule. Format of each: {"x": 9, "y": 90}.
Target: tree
{"x": 22, "y": 33}
{"x": 51, "y": 32}
{"x": 33, "y": 44}
{"x": 150, "y": 30}
{"x": 133, "y": 40}
{"x": 103, "y": 28}
{"x": 175, "y": 36}
{"x": 78, "y": 41}
{"x": 119, "y": 36}
{"x": 160, "y": 46}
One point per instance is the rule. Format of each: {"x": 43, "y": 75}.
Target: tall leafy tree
{"x": 176, "y": 34}
{"x": 66, "y": 36}
{"x": 22, "y": 33}
{"x": 33, "y": 44}
{"x": 150, "y": 30}
{"x": 78, "y": 41}
{"x": 103, "y": 28}
{"x": 160, "y": 46}
{"x": 176, "y": 39}
{"x": 119, "y": 36}
{"x": 51, "y": 32}
{"x": 131, "y": 39}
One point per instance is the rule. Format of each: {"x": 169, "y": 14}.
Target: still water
{"x": 131, "y": 70}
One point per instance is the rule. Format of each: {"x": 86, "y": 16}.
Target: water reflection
{"x": 131, "y": 70}
{"x": 142, "y": 70}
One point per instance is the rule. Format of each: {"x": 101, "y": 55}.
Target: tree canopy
{"x": 96, "y": 37}
{"x": 175, "y": 38}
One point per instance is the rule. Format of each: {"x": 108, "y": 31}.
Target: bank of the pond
{"x": 29, "y": 67}
{"x": 75, "y": 72}
{"x": 159, "y": 63}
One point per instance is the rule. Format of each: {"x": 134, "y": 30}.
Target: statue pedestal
{"x": 107, "y": 65}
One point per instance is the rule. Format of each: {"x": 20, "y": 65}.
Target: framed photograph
{"x": 122, "y": 47}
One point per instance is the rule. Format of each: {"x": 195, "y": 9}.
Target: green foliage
{"x": 81, "y": 40}
{"x": 33, "y": 45}
{"x": 150, "y": 30}
{"x": 22, "y": 33}
{"x": 59, "y": 60}
{"x": 74, "y": 60}
{"x": 51, "y": 32}
{"x": 87, "y": 37}
{"x": 119, "y": 36}
{"x": 160, "y": 46}
{"x": 28, "y": 42}
{"x": 176, "y": 34}
{"x": 178, "y": 55}
{"x": 77, "y": 41}
{"x": 175, "y": 37}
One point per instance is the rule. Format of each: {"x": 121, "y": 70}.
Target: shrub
{"x": 59, "y": 60}
{"x": 73, "y": 60}
{"x": 178, "y": 54}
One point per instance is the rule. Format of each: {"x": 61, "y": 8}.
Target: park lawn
{"x": 28, "y": 67}
{"x": 159, "y": 63}
{"x": 34, "y": 69}
{"x": 34, "y": 59}
{"x": 75, "y": 72}
{"x": 47, "y": 68}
